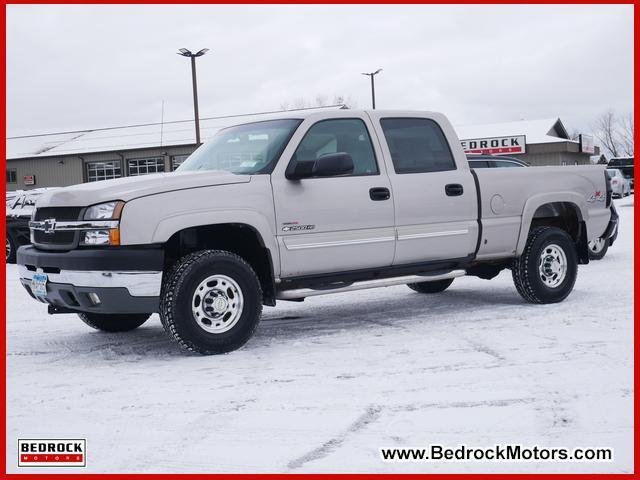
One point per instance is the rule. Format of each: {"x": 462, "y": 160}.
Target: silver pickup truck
{"x": 300, "y": 205}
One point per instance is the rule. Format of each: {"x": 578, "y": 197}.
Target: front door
{"x": 334, "y": 224}
{"x": 435, "y": 199}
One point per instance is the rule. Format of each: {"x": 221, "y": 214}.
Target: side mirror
{"x": 329, "y": 165}
{"x": 333, "y": 164}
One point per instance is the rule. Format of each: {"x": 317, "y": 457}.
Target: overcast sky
{"x": 87, "y": 66}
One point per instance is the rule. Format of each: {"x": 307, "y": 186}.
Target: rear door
{"x": 334, "y": 224}
{"x": 435, "y": 199}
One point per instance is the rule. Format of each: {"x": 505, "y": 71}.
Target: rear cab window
{"x": 417, "y": 145}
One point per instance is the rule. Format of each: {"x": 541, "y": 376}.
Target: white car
{"x": 620, "y": 186}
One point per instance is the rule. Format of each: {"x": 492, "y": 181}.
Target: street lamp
{"x": 186, "y": 53}
{"x": 373, "y": 88}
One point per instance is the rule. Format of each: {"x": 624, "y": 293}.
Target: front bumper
{"x": 112, "y": 280}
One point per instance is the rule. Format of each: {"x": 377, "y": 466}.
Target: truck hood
{"x": 128, "y": 188}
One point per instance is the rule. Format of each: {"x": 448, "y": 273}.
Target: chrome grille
{"x": 56, "y": 240}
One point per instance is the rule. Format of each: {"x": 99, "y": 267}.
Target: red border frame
{"x": 4, "y": 302}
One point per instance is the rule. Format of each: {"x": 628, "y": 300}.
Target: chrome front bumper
{"x": 118, "y": 280}
{"x": 138, "y": 284}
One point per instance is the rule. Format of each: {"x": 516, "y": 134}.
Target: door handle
{"x": 379, "y": 193}
{"x": 453, "y": 189}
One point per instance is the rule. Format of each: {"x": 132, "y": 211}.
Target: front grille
{"x": 57, "y": 240}
{"x": 61, "y": 214}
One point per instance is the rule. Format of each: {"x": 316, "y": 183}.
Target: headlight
{"x": 104, "y": 211}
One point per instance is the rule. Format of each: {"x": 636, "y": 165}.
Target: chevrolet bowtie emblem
{"x": 49, "y": 225}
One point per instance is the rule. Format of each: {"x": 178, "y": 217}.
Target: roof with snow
{"x": 133, "y": 136}
{"x": 547, "y": 130}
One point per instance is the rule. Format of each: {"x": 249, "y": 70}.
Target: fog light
{"x": 95, "y": 299}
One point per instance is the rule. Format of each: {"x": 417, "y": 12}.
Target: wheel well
{"x": 241, "y": 239}
{"x": 568, "y": 217}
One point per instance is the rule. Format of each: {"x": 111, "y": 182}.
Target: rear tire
{"x": 430, "y": 287}
{"x": 10, "y": 252}
{"x": 548, "y": 267}
{"x": 211, "y": 302}
{"x": 114, "y": 322}
{"x": 598, "y": 248}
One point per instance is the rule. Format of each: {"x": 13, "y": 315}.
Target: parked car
{"x": 597, "y": 247}
{"x": 626, "y": 166}
{"x": 302, "y": 205}
{"x": 494, "y": 161}
{"x": 18, "y": 214}
{"x": 620, "y": 186}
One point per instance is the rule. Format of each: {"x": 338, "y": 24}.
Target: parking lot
{"x": 325, "y": 383}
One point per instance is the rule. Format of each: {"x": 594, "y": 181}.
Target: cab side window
{"x": 347, "y": 135}
{"x": 417, "y": 145}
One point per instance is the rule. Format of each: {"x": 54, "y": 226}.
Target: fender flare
{"x": 169, "y": 226}
{"x": 536, "y": 201}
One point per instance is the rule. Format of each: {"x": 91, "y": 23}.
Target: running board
{"x": 300, "y": 293}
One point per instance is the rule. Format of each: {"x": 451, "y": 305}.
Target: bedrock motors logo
{"x": 52, "y": 452}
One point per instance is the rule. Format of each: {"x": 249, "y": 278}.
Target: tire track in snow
{"x": 370, "y": 415}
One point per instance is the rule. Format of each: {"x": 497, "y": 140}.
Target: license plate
{"x": 39, "y": 284}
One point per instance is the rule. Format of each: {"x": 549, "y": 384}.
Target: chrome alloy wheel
{"x": 596, "y": 245}
{"x": 552, "y": 265}
{"x": 217, "y": 304}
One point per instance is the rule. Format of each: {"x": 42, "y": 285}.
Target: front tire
{"x": 211, "y": 302}
{"x": 598, "y": 248}
{"x": 547, "y": 269}
{"x": 114, "y": 322}
{"x": 430, "y": 287}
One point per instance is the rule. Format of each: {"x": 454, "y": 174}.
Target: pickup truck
{"x": 300, "y": 205}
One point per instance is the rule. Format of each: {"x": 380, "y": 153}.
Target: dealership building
{"x": 68, "y": 158}
{"x": 539, "y": 142}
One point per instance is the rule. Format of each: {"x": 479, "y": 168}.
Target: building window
{"x": 12, "y": 175}
{"x": 177, "y": 160}
{"x": 103, "y": 170}
{"x": 144, "y": 166}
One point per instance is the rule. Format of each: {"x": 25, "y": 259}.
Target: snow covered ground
{"x": 325, "y": 383}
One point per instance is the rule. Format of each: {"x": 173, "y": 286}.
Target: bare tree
{"x": 299, "y": 103}
{"x": 614, "y": 133}
{"x": 605, "y": 130}
{"x": 574, "y": 134}
{"x": 626, "y": 134}
{"x": 321, "y": 100}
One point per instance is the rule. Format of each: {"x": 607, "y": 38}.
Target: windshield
{"x": 612, "y": 173}
{"x": 244, "y": 149}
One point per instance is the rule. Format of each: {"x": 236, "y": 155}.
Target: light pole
{"x": 186, "y": 53}
{"x": 373, "y": 88}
